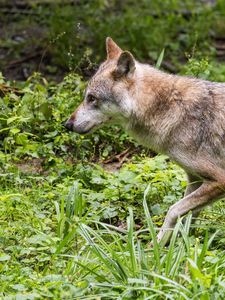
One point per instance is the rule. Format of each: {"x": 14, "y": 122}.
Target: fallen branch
{"x": 14, "y": 63}
{"x": 5, "y": 89}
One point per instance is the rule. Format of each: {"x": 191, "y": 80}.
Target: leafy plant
{"x": 31, "y": 123}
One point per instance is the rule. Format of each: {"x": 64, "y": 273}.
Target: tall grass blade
{"x": 152, "y": 230}
{"x": 65, "y": 240}
{"x": 130, "y": 244}
{"x": 185, "y": 229}
{"x": 201, "y": 257}
{"x": 74, "y": 206}
{"x": 114, "y": 264}
{"x": 169, "y": 257}
{"x": 160, "y": 59}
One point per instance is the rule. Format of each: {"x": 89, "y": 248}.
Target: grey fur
{"x": 179, "y": 116}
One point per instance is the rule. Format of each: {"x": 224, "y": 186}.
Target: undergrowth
{"x": 78, "y": 240}
{"x": 32, "y": 118}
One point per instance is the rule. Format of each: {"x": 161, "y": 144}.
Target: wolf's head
{"x": 108, "y": 97}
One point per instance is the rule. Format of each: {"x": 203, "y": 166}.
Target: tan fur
{"x": 180, "y": 116}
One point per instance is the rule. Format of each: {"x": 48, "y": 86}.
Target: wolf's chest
{"x": 147, "y": 138}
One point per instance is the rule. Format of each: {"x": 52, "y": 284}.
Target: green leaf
{"x": 4, "y": 257}
{"x": 14, "y": 130}
{"x": 160, "y": 59}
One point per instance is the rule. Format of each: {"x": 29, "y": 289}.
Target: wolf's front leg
{"x": 206, "y": 193}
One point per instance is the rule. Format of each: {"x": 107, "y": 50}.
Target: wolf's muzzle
{"x": 69, "y": 125}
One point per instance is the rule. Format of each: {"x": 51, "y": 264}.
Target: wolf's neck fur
{"x": 156, "y": 96}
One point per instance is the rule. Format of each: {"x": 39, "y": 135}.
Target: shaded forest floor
{"x": 28, "y": 41}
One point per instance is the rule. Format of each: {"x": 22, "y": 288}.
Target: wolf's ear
{"x": 125, "y": 65}
{"x": 112, "y": 49}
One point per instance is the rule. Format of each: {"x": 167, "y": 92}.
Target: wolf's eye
{"x": 91, "y": 98}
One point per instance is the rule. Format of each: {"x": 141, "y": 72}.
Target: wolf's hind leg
{"x": 193, "y": 184}
{"x": 206, "y": 193}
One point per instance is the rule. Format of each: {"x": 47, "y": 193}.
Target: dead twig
{"x": 14, "y": 63}
{"x": 120, "y": 158}
{"x": 5, "y": 89}
{"x": 117, "y": 157}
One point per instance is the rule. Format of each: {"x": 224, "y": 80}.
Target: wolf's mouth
{"x": 81, "y": 131}
{"x": 89, "y": 130}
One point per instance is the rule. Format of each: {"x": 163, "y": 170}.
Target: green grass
{"x": 56, "y": 245}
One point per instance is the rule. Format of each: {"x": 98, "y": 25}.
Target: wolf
{"x": 180, "y": 116}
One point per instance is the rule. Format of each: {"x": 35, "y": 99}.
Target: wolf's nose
{"x": 69, "y": 125}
